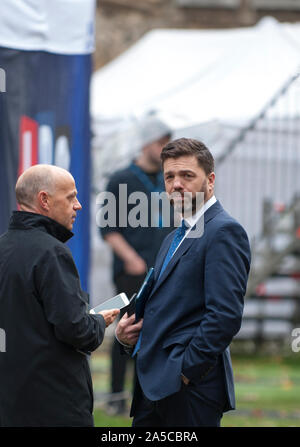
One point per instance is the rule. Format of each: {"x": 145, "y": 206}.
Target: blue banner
{"x": 44, "y": 118}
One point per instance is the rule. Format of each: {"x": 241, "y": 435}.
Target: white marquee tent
{"x": 207, "y": 84}
{"x": 199, "y": 79}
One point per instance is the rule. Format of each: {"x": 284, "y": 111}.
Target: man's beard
{"x": 190, "y": 205}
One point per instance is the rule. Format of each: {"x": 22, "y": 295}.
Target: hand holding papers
{"x": 143, "y": 295}
{"x": 130, "y": 308}
{"x": 129, "y": 327}
{"x": 127, "y": 331}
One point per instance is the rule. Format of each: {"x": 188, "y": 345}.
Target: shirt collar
{"x": 191, "y": 221}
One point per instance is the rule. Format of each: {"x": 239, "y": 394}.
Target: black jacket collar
{"x": 24, "y": 220}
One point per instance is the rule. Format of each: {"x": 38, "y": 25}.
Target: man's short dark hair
{"x": 189, "y": 146}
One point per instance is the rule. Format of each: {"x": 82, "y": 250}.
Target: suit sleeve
{"x": 227, "y": 266}
{"x": 64, "y": 303}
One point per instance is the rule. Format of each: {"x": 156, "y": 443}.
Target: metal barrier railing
{"x": 258, "y": 182}
{"x": 263, "y": 160}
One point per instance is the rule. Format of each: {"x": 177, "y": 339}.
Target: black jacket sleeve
{"x": 64, "y": 302}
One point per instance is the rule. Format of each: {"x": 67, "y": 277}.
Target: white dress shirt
{"x": 191, "y": 221}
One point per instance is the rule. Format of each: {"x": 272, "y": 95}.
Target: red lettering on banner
{"x": 28, "y": 154}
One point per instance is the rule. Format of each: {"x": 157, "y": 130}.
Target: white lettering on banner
{"x": 27, "y": 148}
{"x": 38, "y": 145}
{"x": 45, "y": 145}
{"x": 62, "y": 153}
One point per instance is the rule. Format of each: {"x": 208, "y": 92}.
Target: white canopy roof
{"x": 198, "y": 76}
{"x": 203, "y": 83}
{"x": 206, "y": 84}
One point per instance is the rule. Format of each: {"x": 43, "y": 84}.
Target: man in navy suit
{"x": 184, "y": 371}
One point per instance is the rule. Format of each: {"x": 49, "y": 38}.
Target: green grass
{"x": 267, "y": 392}
{"x": 101, "y": 419}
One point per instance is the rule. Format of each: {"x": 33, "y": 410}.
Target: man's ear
{"x": 43, "y": 200}
{"x": 211, "y": 181}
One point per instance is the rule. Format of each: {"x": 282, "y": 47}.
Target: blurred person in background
{"x": 44, "y": 373}
{"x": 135, "y": 249}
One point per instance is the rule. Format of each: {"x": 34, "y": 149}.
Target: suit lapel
{"x": 182, "y": 249}
{"x": 215, "y": 209}
{"x": 163, "y": 253}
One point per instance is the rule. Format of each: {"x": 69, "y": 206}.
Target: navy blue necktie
{"x": 179, "y": 235}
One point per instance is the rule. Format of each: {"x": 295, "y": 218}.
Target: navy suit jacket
{"x": 195, "y": 308}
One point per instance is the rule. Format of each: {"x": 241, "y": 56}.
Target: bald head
{"x": 35, "y": 179}
{"x": 48, "y": 190}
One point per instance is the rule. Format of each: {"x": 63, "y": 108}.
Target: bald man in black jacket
{"x": 44, "y": 373}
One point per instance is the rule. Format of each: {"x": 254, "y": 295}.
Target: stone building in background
{"x": 120, "y": 23}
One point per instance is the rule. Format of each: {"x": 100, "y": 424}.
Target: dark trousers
{"x": 130, "y": 285}
{"x": 194, "y": 405}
